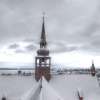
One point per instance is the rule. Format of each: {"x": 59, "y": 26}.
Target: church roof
{"x": 68, "y": 85}
{"x": 60, "y": 87}
{"x": 44, "y": 93}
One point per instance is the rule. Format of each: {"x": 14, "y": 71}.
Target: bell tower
{"x": 42, "y": 60}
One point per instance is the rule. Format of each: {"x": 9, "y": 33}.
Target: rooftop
{"x": 60, "y": 87}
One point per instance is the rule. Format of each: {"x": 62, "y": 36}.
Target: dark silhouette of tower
{"x": 42, "y": 60}
{"x": 93, "y": 72}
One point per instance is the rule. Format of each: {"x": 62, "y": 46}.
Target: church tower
{"x": 42, "y": 60}
{"x": 92, "y": 70}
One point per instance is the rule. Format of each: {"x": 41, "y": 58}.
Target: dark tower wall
{"x": 42, "y": 68}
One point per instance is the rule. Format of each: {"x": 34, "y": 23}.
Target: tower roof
{"x": 43, "y": 30}
{"x": 43, "y": 42}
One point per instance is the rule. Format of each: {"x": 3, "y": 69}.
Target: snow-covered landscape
{"x": 49, "y": 56}
{"x": 62, "y": 86}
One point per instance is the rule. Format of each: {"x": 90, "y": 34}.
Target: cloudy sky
{"x": 72, "y": 29}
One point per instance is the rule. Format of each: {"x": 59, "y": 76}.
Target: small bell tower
{"x": 92, "y": 70}
{"x": 42, "y": 60}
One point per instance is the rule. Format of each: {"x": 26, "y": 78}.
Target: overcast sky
{"x": 72, "y": 29}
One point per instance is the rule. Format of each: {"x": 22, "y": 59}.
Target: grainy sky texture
{"x": 72, "y": 27}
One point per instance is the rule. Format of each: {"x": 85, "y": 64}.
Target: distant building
{"x": 92, "y": 70}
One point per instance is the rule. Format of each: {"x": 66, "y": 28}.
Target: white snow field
{"x": 60, "y": 87}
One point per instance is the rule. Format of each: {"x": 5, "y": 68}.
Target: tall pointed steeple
{"x": 43, "y": 42}
{"x": 42, "y": 60}
{"x": 93, "y": 66}
{"x": 92, "y": 63}
{"x": 93, "y": 72}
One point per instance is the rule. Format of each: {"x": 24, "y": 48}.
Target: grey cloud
{"x": 28, "y": 40}
{"x": 61, "y": 47}
{"x": 19, "y": 51}
{"x": 55, "y": 47}
{"x": 13, "y": 46}
{"x": 32, "y": 40}
{"x": 31, "y": 48}
{"x": 72, "y": 21}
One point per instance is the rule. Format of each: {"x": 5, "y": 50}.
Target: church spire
{"x": 93, "y": 64}
{"x": 42, "y": 60}
{"x": 93, "y": 71}
{"x": 43, "y": 42}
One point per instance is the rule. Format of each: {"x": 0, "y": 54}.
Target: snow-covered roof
{"x": 63, "y": 87}
{"x": 13, "y": 87}
{"x": 60, "y": 87}
{"x": 33, "y": 93}
{"x": 68, "y": 85}
{"x": 46, "y": 92}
